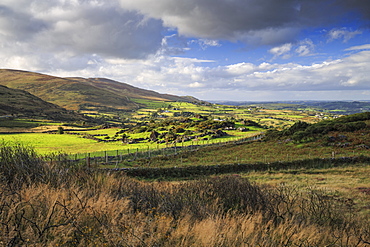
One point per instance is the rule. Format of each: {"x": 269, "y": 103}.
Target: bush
{"x": 60, "y": 130}
{"x": 20, "y": 164}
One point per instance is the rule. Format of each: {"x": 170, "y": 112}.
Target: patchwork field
{"x": 168, "y": 115}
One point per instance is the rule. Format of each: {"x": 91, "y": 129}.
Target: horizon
{"x": 213, "y": 50}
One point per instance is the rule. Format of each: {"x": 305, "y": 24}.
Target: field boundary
{"x": 127, "y": 155}
{"x": 193, "y": 171}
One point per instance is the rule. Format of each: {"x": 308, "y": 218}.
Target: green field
{"x": 73, "y": 144}
{"x": 157, "y": 113}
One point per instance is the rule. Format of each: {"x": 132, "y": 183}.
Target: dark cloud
{"x": 251, "y": 21}
{"x": 218, "y": 19}
{"x": 81, "y": 27}
{"x": 361, "y": 7}
{"x": 19, "y": 26}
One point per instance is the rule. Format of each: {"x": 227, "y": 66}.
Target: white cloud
{"x": 196, "y": 85}
{"x": 281, "y": 50}
{"x": 188, "y": 76}
{"x": 305, "y": 48}
{"x": 343, "y": 34}
{"x": 205, "y": 43}
{"x": 359, "y": 47}
{"x": 240, "y": 68}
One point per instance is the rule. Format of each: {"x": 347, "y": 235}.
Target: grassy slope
{"x": 13, "y": 101}
{"x": 19, "y": 102}
{"x": 129, "y": 91}
{"x": 72, "y": 93}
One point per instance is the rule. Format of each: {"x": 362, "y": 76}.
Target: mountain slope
{"x": 19, "y": 102}
{"x": 77, "y": 93}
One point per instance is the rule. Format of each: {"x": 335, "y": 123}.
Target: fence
{"x": 127, "y": 155}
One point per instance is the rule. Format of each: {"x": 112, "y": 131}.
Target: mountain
{"x": 79, "y": 93}
{"x": 21, "y": 103}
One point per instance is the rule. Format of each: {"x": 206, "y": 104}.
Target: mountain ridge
{"x": 75, "y": 93}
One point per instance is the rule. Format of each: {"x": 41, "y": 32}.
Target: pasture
{"x": 158, "y": 112}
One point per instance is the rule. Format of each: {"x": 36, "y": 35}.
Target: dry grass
{"x": 43, "y": 215}
{"x": 61, "y": 205}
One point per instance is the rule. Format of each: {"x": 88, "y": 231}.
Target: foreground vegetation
{"x": 64, "y": 204}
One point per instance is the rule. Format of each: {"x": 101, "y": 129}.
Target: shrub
{"x": 60, "y": 130}
{"x": 20, "y": 164}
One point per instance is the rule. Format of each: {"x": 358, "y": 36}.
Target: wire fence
{"x": 130, "y": 154}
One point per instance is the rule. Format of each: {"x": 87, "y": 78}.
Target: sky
{"x": 235, "y": 50}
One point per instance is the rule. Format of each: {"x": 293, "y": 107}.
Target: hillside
{"x": 79, "y": 94}
{"x": 21, "y": 103}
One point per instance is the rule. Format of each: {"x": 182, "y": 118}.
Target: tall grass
{"x": 57, "y": 204}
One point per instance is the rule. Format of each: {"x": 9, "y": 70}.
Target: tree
{"x": 60, "y": 130}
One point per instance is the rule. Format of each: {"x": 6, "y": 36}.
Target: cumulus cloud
{"x": 188, "y": 76}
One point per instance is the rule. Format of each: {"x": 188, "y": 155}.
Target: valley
{"x": 92, "y": 162}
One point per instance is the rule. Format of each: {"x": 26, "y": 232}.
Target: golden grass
{"x": 91, "y": 215}
{"x": 59, "y": 204}
{"x": 345, "y": 182}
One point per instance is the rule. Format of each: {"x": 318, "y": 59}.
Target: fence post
{"x": 106, "y": 156}
{"x": 88, "y": 160}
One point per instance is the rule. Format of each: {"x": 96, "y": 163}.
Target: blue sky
{"x": 242, "y": 50}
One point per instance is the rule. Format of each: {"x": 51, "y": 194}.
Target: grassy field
{"x": 349, "y": 182}
{"x": 72, "y": 144}
{"x": 75, "y": 144}
{"x": 49, "y": 143}
{"x": 252, "y": 153}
